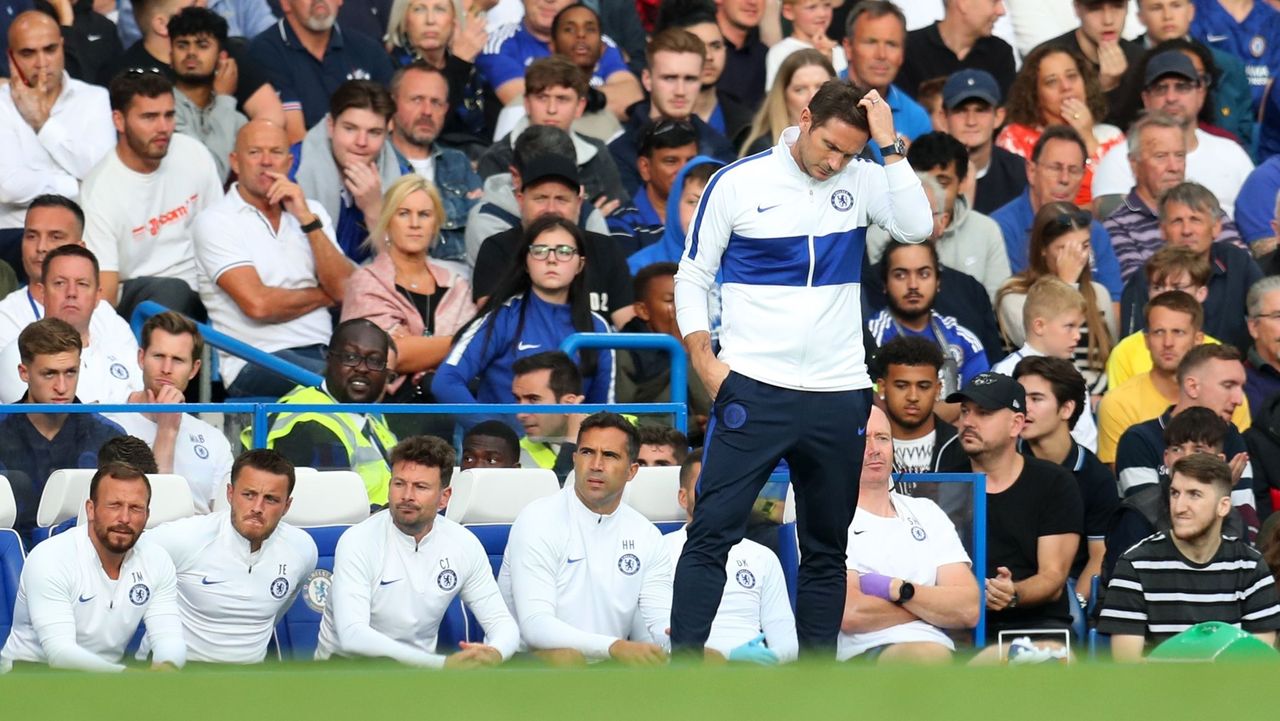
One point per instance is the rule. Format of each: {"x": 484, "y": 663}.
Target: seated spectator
{"x": 89, "y": 41}
{"x": 549, "y": 186}
{"x": 799, "y": 78}
{"x": 1057, "y": 87}
{"x": 1256, "y": 207}
{"x": 908, "y": 368}
{"x": 141, "y": 201}
{"x": 1262, "y": 363}
{"x": 1054, "y": 170}
{"x": 1173, "y": 321}
{"x": 673, "y": 79}
{"x": 512, "y": 47}
{"x": 360, "y": 362}
{"x": 910, "y": 275}
{"x": 754, "y": 622}
{"x": 664, "y": 446}
{"x": 89, "y": 633}
{"x": 1175, "y": 87}
{"x": 546, "y": 378}
{"x": 930, "y": 98}
{"x": 370, "y": 615}
{"x": 666, "y": 147}
{"x": 130, "y": 451}
{"x": 420, "y": 92}
{"x": 34, "y": 445}
{"x": 876, "y": 33}
{"x": 108, "y": 370}
{"x": 740, "y": 23}
{"x": 1034, "y": 510}
{"x": 538, "y": 304}
{"x": 555, "y": 95}
{"x": 724, "y": 114}
{"x": 1055, "y": 315}
{"x": 269, "y": 265}
{"x": 197, "y": 37}
{"x": 1061, "y": 248}
{"x": 566, "y": 616}
{"x": 682, "y": 202}
{"x": 576, "y": 35}
{"x": 1199, "y": 566}
{"x": 490, "y": 444}
{"x": 419, "y": 303}
{"x": 809, "y": 20}
{"x": 53, "y": 129}
{"x": 433, "y": 32}
{"x": 961, "y": 39}
{"x": 971, "y": 100}
{"x": 644, "y": 376}
{"x": 1055, "y": 402}
{"x": 181, "y": 442}
{"x": 347, "y": 163}
{"x": 970, "y": 241}
{"x": 307, "y": 56}
{"x": 1191, "y": 217}
{"x": 245, "y": 18}
{"x": 1250, "y": 33}
{"x": 1210, "y": 376}
{"x": 910, "y": 578}
{"x": 1099, "y": 40}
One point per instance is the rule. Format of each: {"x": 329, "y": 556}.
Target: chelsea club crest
{"x": 842, "y": 200}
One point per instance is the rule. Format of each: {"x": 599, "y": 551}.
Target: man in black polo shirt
{"x": 744, "y": 66}
{"x": 34, "y": 445}
{"x": 1192, "y": 574}
{"x": 1034, "y": 510}
{"x": 1055, "y": 399}
{"x": 971, "y": 101}
{"x": 961, "y": 39}
{"x": 306, "y": 56}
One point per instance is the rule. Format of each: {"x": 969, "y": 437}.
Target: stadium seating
{"x": 11, "y": 558}
{"x": 8, "y": 506}
{"x": 488, "y": 500}
{"x": 170, "y": 499}
{"x": 654, "y": 493}
{"x": 327, "y": 498}
{"x": 62, "y": 500}
{"x": 789, "y": 545}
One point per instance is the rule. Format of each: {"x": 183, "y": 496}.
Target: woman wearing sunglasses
{"x": 541, "y": 301}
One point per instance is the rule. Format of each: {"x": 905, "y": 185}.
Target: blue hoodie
{"x": 670, "y": 247}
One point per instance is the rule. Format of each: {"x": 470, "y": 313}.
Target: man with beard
{"x": 84, "y": 592}
{"x": 1174, "y": 580}
{"x": 198, "y": 37}
{"x": 141, "y": 201}
{"x": 228, "y": 612}
{"x": 360, "y": 364}
{"x": 910, "y": 274}
{"x": 395, "y": 574}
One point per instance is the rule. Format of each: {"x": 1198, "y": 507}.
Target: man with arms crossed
{"x": 787, "y": 229}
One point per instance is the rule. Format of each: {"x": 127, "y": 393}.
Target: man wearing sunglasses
{"x": 359, "y": 366}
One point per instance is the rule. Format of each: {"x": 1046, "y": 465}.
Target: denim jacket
{"x": 459, "y": 187}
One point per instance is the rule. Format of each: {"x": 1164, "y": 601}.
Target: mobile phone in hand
{"x": 13, "y": 62}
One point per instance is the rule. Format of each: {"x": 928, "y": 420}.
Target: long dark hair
{"x": 517, "y": 283}
{"x": 1024, "y": 95}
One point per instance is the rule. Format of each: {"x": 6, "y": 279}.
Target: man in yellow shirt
{"x": 1174, "y": 320}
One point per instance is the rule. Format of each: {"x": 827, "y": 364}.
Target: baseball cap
{"x": 1169, "y": 62}
{"x": 547, "y": 167}
{"x": 992, "y": 392}
{"x": 970, "y": 84}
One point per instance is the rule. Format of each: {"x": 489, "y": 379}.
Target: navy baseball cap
{"x": 1170, "y": 62}
{"x": 970, "y": 84}
{"x": 549, "y": 167}
{"x": 992, "y": 392}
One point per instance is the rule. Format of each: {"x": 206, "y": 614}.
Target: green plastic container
{"x": 1213, "y": 641}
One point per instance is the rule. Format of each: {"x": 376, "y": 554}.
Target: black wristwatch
{"x": 313, "y": 226}
{"x": 906, "y": 592}
{"x": 1013, "y": 602}
{"x": 897, "y": 147}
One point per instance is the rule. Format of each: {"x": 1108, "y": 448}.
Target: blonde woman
{"x": 799, "y": 77}
{"x": 435, "y": 32}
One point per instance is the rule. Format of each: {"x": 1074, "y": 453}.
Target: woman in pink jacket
{"x": 418, "y": 302}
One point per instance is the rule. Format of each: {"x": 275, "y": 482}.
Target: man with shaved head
{"x": 269, "y": 264}
{"x": 53, "y": 129}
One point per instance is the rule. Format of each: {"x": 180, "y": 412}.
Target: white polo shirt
{"x": 580, "y": 580}
{"x": 232, "y": 234}
{"x": 911, "y": 545}
{"x": 20, "y": 309}
{"x": 201, "y": 454}
{"x": 389, "y": 593}
{"x": 69, "y": 614}
{"x": 755, "y": 599}
{"x": 229, "y": 598}
{"x": 108, "y": 366}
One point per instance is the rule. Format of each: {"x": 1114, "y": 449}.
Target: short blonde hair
{"x": 396, "y": 35}
{"x": 392, "y": 200}
{"x": 1048, "y": 298}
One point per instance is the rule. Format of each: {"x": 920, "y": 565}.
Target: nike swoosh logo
{"x": 206, "y": 582}
{"x": 388, "y": 583}
{"x": 93, "y": 38}
{"x": 86, "y": 600}
{"x": 575, "y": 560}
{"x": 858, "y": 533}
{"x": 1215, "y": 38}
{"x": 764, "y": 208}
{"x": 862, "y": 431}
{"x": 528, "y": 346}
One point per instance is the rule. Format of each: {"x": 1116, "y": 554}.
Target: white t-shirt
{"x": 20, "y": 309}
{"x": 1217, "y": 163}
{"x": 390, "y": 593}
{"x": 425, "y": 168}
{"x": 69, "y": 614}
{"x": 201, "y": 454}
{"x": 108, "y": 367}
{"x": 911, "y": 545}
{"x": 1086, "y": 430}
{"x": 229, "y": 612}
{"x": 139, "y": 225}
{"x": 755, "y": 599}
{"x": 231, "y": 234}
{"x": 914, "y": 455}
{"x": 780, "y": 51}
{"x": 577, "y": 579}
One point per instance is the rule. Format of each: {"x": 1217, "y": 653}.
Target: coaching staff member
{"x": 787, "y": 230}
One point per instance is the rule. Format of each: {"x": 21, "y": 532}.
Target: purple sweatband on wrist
{"x": 875, "y": 584}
